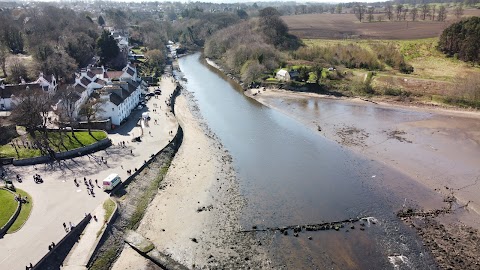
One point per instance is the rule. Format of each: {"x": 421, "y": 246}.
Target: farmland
{"x": 340, "y": 26}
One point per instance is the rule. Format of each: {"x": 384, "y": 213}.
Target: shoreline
{"x": 265, "y": 98}
{"x": 434, "y": 146}
{"x": 199, "y": 192}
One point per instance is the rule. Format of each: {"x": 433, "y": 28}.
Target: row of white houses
{"x": 119, "y": 91}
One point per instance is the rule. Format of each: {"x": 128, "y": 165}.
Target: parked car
{"x": 151, "y": 94}
{"x": 139, "y": 107}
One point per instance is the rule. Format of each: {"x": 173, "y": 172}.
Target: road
{"x": 58, "y": 200}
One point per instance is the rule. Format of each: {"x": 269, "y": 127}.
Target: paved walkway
{"x": 58, "y": 200}
{"x": 81, "y": 252}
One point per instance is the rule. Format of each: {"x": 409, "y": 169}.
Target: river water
{"x": 291, "y": 175}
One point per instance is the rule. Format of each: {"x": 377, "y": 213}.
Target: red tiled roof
{"x": 114, "y": 74}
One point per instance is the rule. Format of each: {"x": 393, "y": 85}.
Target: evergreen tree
{"x": 462, "y": 39}
{"x": 107, "y": 47}
{"x": 101, "y": 21}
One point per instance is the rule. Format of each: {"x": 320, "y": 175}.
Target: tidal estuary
{"x": 291, "y": 175}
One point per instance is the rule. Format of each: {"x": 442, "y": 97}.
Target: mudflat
{"x": 438, "y": 148}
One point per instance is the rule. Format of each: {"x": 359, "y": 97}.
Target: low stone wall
{"x": 12, "y": 219}
{"x": 100, "y": 145}
{"x": 55, "y": 257}
{"x": 6, "y": 161}
{"x": 175, "y": 94}
{"x": 176, "y": 142}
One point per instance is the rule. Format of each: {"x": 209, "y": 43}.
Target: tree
{"x": 101, "y": 20}
{"x": 399, "y": 9}
{"x": 338, "y": 8}
{"x": 462, "y": 39}
{"x": 276, "y": 30}
{"x": 242, "y": 14}
{"x": 91, "y": 109}
{"x": 155, "y": 61}
{"x": 425, "y": 9}
{"x": 389, "y": 10}
{"x": 370, "y": 11}
{"x": 303, "y": 73}
{"x": 12, "y": 37}
{"x": 458, "y": 11}
{"x": 18, "y": 71}
{"x": 414, "y": 13}
{"x": 359, "y": 11}
{"x": 433, "y": 12}
{"x": 3, "y": 59}
{"x": 405, "y": 12}
{"x": 107, "y": 47}
{"x": 317, "y": 70}
{"x": 29, "y": 106}
{"x": 442, "y": 13}
{"x": 67, "y": 107}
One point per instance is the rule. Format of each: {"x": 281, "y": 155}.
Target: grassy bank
{"x": 436, "y": 78}
{"x": 58, "y": 141}
{"x": 24, "y": 212}
{"x": 8, "y": 206}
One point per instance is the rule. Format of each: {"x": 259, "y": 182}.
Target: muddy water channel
{"x": 291, "y": 175}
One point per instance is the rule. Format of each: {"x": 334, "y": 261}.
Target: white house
{"x": 120, "y": 89}
{"x": 9, "y": 91}
{"x": 121, "y": 98}
{"x": 284, "y": 75}
{"x": 48, "y": 83}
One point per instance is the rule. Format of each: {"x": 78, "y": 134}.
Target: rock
{"x": 194, "y": 240}
{"x": 352, "y": 227}
{"x": 309, "y": 238}
{"x": 295, "y": 234}
{"x": 285, "y": 232}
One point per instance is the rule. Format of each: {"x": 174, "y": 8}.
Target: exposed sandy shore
{"x": 194, "y": 216}
{"x": 439, "y": 148}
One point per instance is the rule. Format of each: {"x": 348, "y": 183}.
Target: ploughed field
{"x": 347, "y": 26}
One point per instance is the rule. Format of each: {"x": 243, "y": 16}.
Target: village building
{"x": 9, "y": 91}
{"x": 285, "y": 75}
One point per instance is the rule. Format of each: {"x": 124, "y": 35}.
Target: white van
{"x": 111, "y": 181}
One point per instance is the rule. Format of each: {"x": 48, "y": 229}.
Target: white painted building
{"x": 121, "y": 98}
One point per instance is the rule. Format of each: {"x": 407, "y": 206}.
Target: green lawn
{"x": 82, "y": 138}
{"x": 109, "y": 206}
{"x": 24, "y": 213}
{"x": 8, "y": 206}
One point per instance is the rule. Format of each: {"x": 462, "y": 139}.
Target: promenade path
{"x": 58, "y": 200}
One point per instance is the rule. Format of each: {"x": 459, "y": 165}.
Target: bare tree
{"x": 359, "y": 11}
{"x": 91, "y": 109}
{"x": 458, "y": 11}
{"x": 425, "y": 9}
{"x": 67, "y": 111}
{"x": 399, "y": 9}
{"x": 433, "y": 12}
{"x": 18, "y": 70}
{"x": 3, "y": 59}
{"x": 31, "y": 108}
{"x": 370, "y": 11}
{"x": 442, "y": 13}
{"x": 414, "y": 13}
{"x": 389, "y": 10}
{"x": 405, "y": 12}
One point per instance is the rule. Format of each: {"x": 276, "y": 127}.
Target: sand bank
{"x": 438, "y": 148}
{"x": 194, "y": 217}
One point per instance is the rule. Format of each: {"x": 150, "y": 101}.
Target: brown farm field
{"x": 339, "y": 26}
